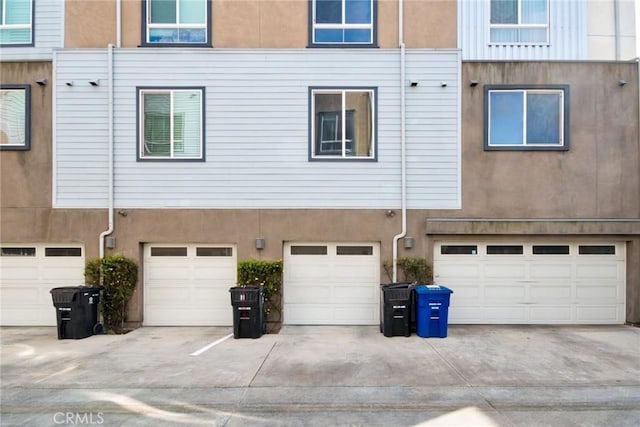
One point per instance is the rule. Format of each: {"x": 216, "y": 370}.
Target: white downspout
{"x": 403, "y": 142}
{"x": 109, "y": 146}
{"x": 118, "y": 23}
{"x": 616, "y": 27}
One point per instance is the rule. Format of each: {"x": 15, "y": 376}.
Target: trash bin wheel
{"x": 98, "y": 329}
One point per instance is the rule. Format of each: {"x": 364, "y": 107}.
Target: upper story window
{"x": 16, "y": 22}
{"x": 519, "y": 22}
{"x": 170, "y": 124}
{"x": 176, "y": 22}
{"x": 343, "y": 123}
{"x": 15, "y": 117}
{"x": 527, "y": 117}
{"x": 342, "y": 22}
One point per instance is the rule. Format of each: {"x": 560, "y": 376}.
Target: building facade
{"x": 502, "y": 137}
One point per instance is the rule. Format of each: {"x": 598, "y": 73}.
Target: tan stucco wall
{"x": 25, "y": 176}
{"x": 598, "y": 177}
{"x": 262, "y": 23}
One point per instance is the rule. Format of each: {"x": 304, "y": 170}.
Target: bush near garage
{"x": 119, "y": 276}
{"x": 411, "y": 269}
{"x": 268, "y": 275}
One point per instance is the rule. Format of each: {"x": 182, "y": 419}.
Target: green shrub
{"x": 267, "y": 274}
{"x": 118, "y": 275}
{"x": 410, "y": 269}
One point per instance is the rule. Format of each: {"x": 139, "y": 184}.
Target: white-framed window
{"x": 342, "y": 22}
{"x": 526, "y": 117}
{"x": 342, "y": 123}
{"x": 519, "y": 22}
{"x": 171, "y": 123}
{"x": 15, "y": 117}
{"x": 172, "y": 22}
{"x": 16, "y": 22}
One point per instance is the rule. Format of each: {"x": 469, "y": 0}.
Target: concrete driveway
{"x": 477, "y": 376}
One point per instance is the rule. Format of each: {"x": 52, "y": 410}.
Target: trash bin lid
{"x": 427, "y": 289}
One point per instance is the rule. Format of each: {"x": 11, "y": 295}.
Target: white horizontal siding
{"x": 257, "y": 130}
{"x": 49, "y": 34}
{"x": 567, "y": 36}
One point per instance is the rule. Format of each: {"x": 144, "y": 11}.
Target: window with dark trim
{"x": 176, "y": 23}
{"x": 526, "y": 117}
{"x": 343, "y": 23}
{"x": 16, "y": 22}
{"x": 15, "y": 117}
{"x": 62, "y": 252}
{"x": 459, "y": 250}
{"x": 342, "y": 123}
{"x": 171, "y": 124}
{"x": 505, "y": 250}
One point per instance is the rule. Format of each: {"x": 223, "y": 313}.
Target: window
{"x": 354, "y": 250}
{"x": 16, "y": 18}
{"x": 551, "y": 249}
{"x": 342, "y": 22}
{"x": 597, "y": 250}
{"x": 526, "y": 118}
{"x": 519, "y": 22}
{"x": 505, "y": 250}
{"x": 176, "y": 22}
{"x": 63, "y": 252}
{"x": 308, "y": 250}
{"x": 169, "y": 251}
{"x": 342, "y": 123}
{"x": 170, "y": 123}
{"x": 459, "y": 250}
{"x": 15, "y": 117}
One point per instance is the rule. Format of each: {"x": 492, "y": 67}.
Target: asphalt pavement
{"x": 323, "y": 376}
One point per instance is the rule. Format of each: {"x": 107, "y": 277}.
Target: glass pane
{"x": 157, "y": 124}
{"x": 354, "y": 250}
{"x": 357, "y": 36}
{"x": 359, "y": 130}
{"x": 597, "y": 250}
{"x": 214, "y": 251}
{"x": 163, "y": 35}
{"x": 75, "y": 252}
{"x": 328, "y": 109}
{"x": 505, "y": 35}
{"x": 459, "y": 250}
{"x": 551, "y": 249}
{"x": 12, "y": 117}
{"x": 163, "y": 12}
{"x": 532, "y": 35}
{"x": 18, "y": 252}
{"x": 308, "y": 250}
{"x": 186, "y": 124}
{"x": 505, "y": 118}
{"x": 191, "y": 35}
{"x": 357, "y": 11}
{"x": 504, "y": 11}
{"x": 505, "y": 250}
{"x": 329, "y": 36}
{"x": 534, "y": 11}
{"x": 18, "y": 12}
{"x": 193, "y": 11}
{"x": 543, "y": 118}
{"x": 179, "y": 251}
{"x": 328, "y": 11}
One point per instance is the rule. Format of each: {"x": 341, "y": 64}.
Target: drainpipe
{"x": 403, "y": 142}
{"x": 616, "y": 26}
{"x": 109, "y": 146}
{"x": 118, "y": 23}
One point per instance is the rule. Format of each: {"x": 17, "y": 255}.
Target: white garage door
{"x": 28, "y": 272}
{"x": 331, "y": 284}
{"x": 188, "y": 285}
{"x": 534, "y": 282}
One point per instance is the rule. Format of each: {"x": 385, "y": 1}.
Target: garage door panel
{"x": 551, "y": 282}
{"x": 550, "y": 292}
{"x": 551, "y": 271}
{"x": 331, "y": 283}
{"x": 505, "y": 271}
{"x": 594, "y": 271}
{"x": 189, "y": 290}
{"x": 559, "y": 314}
{"x": 22, "y": 272}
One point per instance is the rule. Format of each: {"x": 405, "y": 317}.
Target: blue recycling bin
{"x": 432, "y": 310}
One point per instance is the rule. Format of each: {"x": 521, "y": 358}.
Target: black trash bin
{"x": 76, "y": 311}
{"x": 248, "y": 311}
{"x": 396, "y": 309}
